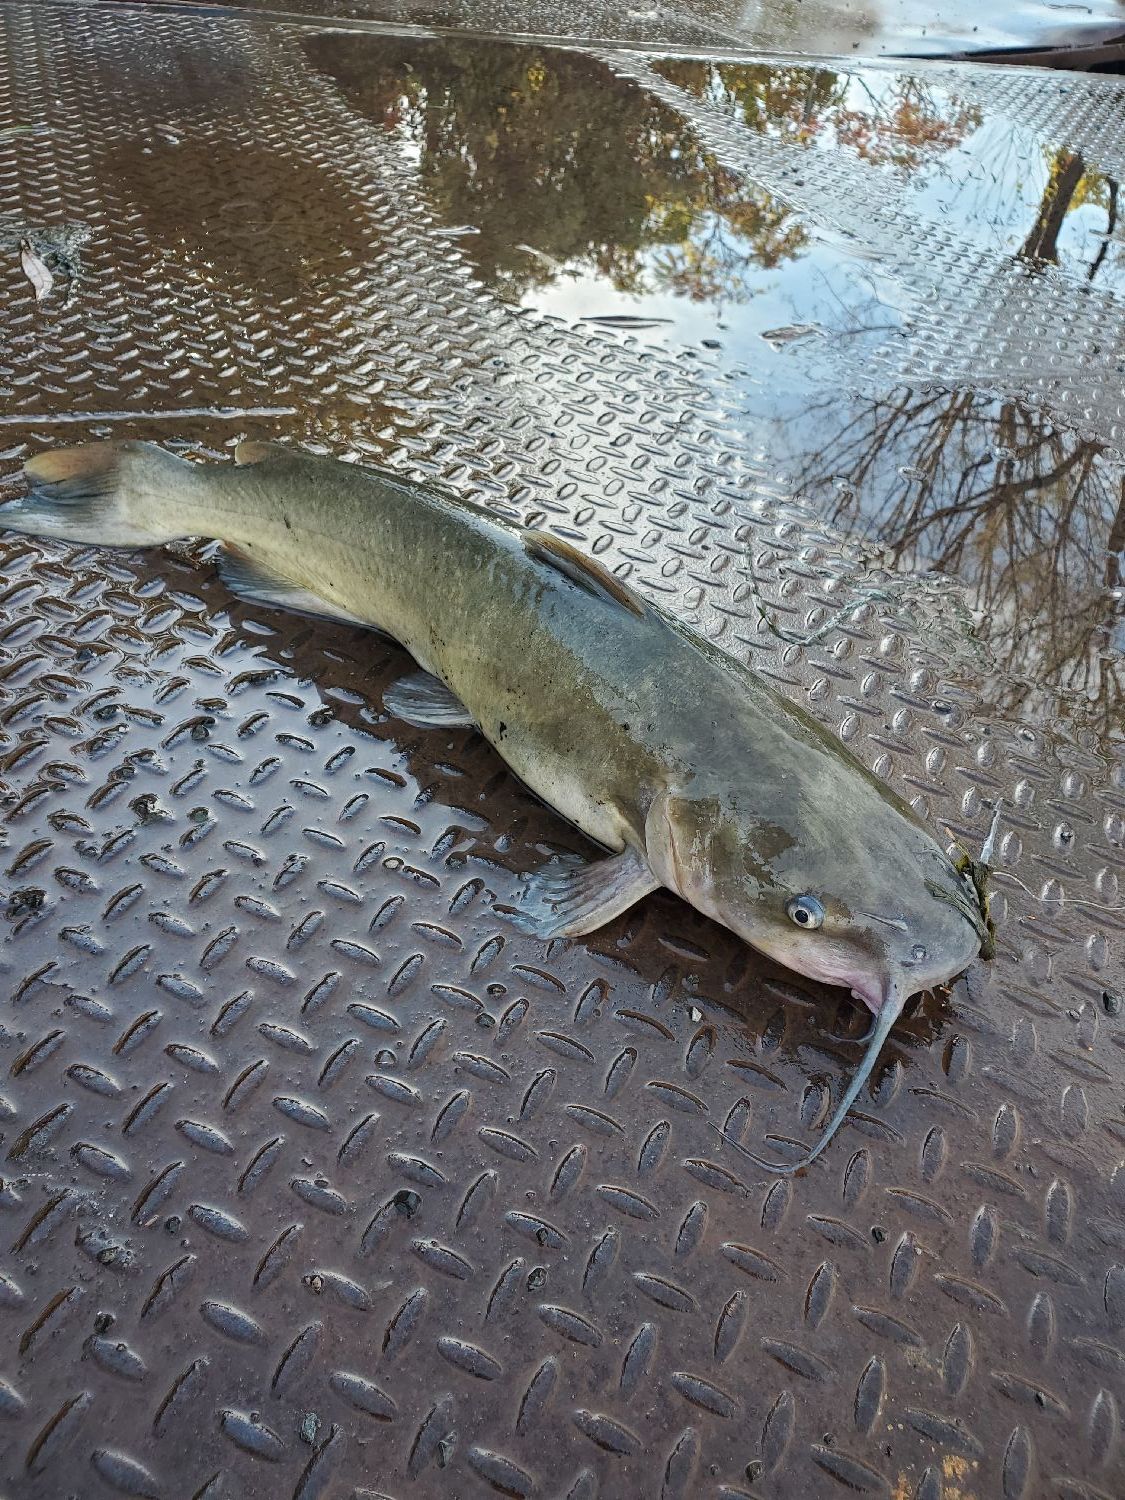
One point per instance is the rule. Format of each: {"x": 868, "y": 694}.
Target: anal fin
{"x": 424, "y": 701}
{"x": 253, "y": 579}
{"x": 568, "y": 900}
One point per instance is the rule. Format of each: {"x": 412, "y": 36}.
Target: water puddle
{"x": 938, "y": 144}
{"x": 580, "y": 195}
{"x": 573, "y": 191}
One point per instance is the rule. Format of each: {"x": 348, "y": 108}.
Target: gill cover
{"x": 979, "y": 872}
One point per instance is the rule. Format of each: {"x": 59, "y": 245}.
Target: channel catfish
{"x": 687, "y": 767}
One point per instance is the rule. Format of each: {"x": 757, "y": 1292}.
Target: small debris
{"x": 36, "y": 271}
{"x": 310, "y": 1426}
{"x": 45, "y": 251}
{"x": 791, "y": 333}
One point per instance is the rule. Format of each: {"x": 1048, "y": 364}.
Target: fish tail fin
{"x": 127, "y": 494}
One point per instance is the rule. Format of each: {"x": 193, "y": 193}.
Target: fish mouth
{"x": 873, "y": 978}
{"x": 910, "y": 977}
{"x": 876, "y": 989}
{"x": 871, "y": 985}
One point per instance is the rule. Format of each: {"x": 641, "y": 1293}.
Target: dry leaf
{"x": 36, "y": 272}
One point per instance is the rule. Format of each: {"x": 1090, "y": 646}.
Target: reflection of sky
{"x": 816, "y": 295}
{"x": 989, "y": 189}
{"x": 1082, "y": 237}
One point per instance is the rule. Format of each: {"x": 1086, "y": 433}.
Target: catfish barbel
{"x": 683, "y": 763}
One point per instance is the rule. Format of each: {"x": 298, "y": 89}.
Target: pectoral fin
{"x": 426, "y": 702}
{"x": 569, "y": 900}
{"x": 253, "y": 579}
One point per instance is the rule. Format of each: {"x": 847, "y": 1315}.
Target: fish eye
{"x": 806, "y": 911}
{"x": 917, "y": 953}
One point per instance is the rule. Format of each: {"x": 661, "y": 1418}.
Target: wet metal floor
{"x": 320, "y": 1181}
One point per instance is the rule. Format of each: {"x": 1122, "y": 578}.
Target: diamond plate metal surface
{"x": 977, "y": 317}
{"x": 318, "y": 1180}
{"x": 898, "y": 28}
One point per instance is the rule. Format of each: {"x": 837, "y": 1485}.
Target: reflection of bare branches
{"x": 1030, "y": 518}
{"x": 1115, "y": 547}
{"x": 1111, "y": 229}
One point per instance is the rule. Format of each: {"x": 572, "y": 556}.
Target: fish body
{"x": 685, "y": 765}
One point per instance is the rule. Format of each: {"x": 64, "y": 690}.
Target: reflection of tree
{"x": 564, "y": 168}
{"x": 1029, "y": 517}
{"x": 906, "y": 126}
{"x": 1066, "y": 172}
{"x": 903, "y": 125}
{"x": 786, "y": 102}
{"x": 1070, "y": 185}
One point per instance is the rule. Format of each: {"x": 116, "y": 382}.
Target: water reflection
{"x": 573, "y": 178}
{"x": 890, "y": 120}
{"x": 1078, "y": 208}
{"x": 1031, "y": 518}
{"x": 578, "y": 192}
{"x": 564, "y": 170}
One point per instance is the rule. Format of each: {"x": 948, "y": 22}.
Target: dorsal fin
{"x": 582, "y": 570}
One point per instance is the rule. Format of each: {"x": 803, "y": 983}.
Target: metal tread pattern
{"x": 826, "y": 28}
{"x": 661, "y": 25}
{"x": 319, "y": 1181}
{"x": 978, "y": 319}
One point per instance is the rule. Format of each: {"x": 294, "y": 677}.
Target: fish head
{"x": 883, "y": 945}
{"x": 871, "y": 903}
